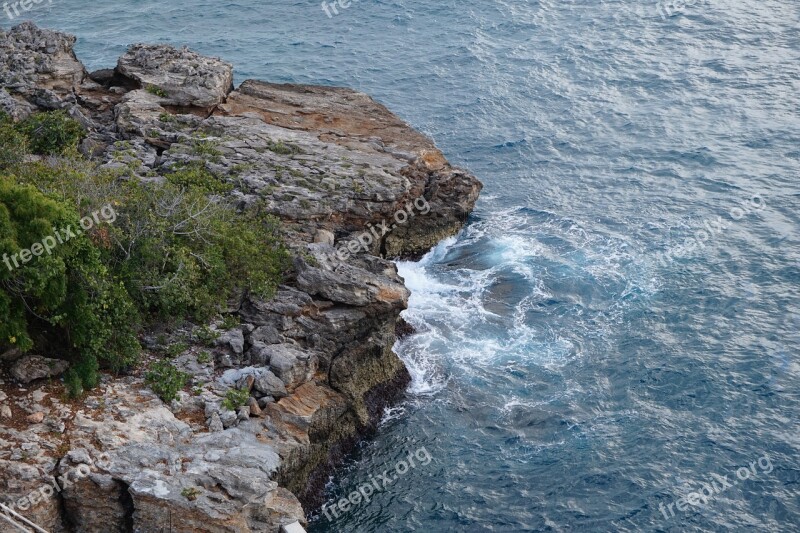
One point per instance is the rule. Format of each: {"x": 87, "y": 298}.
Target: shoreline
{"x": 332, "y": 165}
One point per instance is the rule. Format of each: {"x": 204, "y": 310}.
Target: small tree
{"x": 67, "y": 287}
{"x": 51, "y": 133}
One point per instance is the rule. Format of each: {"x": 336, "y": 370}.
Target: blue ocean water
{"x": 617, "y": 327}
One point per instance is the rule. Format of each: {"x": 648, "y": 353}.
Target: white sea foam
{"x": 471, "y": 322}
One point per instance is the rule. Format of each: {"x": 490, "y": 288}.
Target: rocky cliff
{"x": 353, "y": 186}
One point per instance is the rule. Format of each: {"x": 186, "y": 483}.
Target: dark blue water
{"x": 568, "y": 376}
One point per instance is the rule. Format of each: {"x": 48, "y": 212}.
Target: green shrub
{"x": 230, "y": 322}
{"x": 282, "y": 149}
{"x": 207, "y": 148}
{"x": 177, "y": 251}
{"x": 189, "y": 258}
{"x": 166, "y": 380}
{"x": 68, "y": 288}
{"x": 158, "y": 91}
{"x": 174, "y": 350}
{"x": 13, "y": 144}
{"x": 195, "y": 176}
{"x": 206, "y": 336}
{"x": 190, "y": 493}
{"x": 235, "y": 398}
{"x": 73, "y": 383}
{"x": 51, "y": 133}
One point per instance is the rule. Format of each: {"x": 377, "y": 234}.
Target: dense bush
{"x": 178, "y": 250}
{"x": 51, "y": 133}
{"x": 13, "y": 144}
{"x": 69, "y": 287}
{"x": 166, "y": 380}
{"x": 235, "y": 398}
{"x": 186, "y": 253}
{"x": 196, "y": 176}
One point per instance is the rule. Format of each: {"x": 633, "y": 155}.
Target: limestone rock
{"x": 265, "y": 335}
{"x": 258, "y": 354}
{"x": 292, "y": 366}
{"x": 268, "y": 384}
{"x": 10, "y": 355}
{"x": 33, "y": 367}
{"x": 330, "y": 163}
{"x": 181, "y": 77}
{"x": 324, "y": 236}
{"x": 215, "y": 423}
{"x": 16, "y": 108}
{"x": 352, "y": 284}
{"x": 228, "y": 418}
{"x": 255, "y": 409}
{"x": 39, "y": 65}
{"x": 233, "y": 339}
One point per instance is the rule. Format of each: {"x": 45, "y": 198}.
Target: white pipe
{"x": 14, "y": 523}
{"x": 22, "y": 518}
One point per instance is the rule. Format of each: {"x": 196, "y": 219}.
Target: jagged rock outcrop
{"x": 180, "y": 78}
{"x": 316, "y": 360}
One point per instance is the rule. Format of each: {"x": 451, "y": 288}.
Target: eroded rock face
{"x": 316, "y": 360}
{"x": 37, "y": 68}
{"x": 179, "y": 77}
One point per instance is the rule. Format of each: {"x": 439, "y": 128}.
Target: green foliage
{"x": 206, "y": 336}
{"x": 73, "y": 383}
{"x": 197, "y": 177}
{"x": 282, "y": 149}
{"x": 69, "y": 288}
{"x": 186, "y": 253}
{"x": 178, "y": 250}
{"x": 51, "y": 133}
{"x": 13, "y": 144}
{"x": 235, "y": 398}
{"x": 158, "y": 91}
{"x": 207, "y": 148}
{"x": 174, "y": 350}
{"x": 230, "y": 322}
{"x": 166, "y": 380}
{"x": 203, "y": 358}
{"x": 190, "y": 493}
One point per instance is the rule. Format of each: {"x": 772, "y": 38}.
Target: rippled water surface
{"x": 568, "y": 376}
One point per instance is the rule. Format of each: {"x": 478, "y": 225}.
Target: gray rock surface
{"x": 33, "y": 367}
{"x": 268, "y": 384}
{"x": 179, "y": 76}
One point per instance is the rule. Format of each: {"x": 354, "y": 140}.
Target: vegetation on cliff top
{"x": 176, "y": 250}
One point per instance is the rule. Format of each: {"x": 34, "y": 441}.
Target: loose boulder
{"x": 32, "y": 367}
